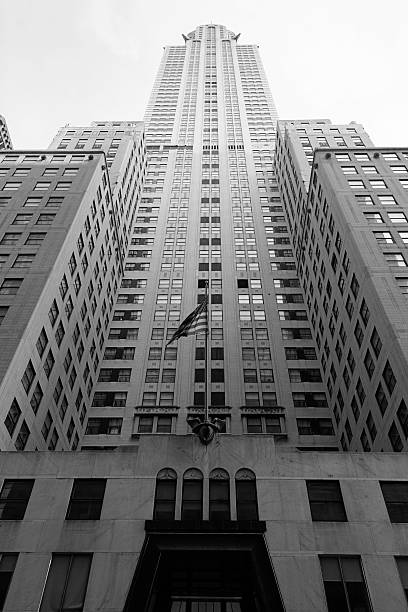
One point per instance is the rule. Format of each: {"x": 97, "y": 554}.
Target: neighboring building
{"x": 64, "y": 230}
{"x": 350, "y": 227}
{"x": 5, "y": 140}
{"x": 304, "y": 251}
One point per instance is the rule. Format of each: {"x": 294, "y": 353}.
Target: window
{"x": 45, "y": 219}
{"x": 384, "y": 237}
{"x": 12, "y": 186}
{"x": 192, "y": 501}
{"x": 14, "y": 498}
{"x": 53, "y": 313}
{"x": 9, "y": 238}
{"x": 219, "y": 495}
{"x": 35, "y": 238}
{"x": 315, "y": 427}
{"x": 66, "y": 584}
{"x": 344, "y": 584}
{"x": 397, "y": 217}
{"x": 10, "y": 286}
{"x": 369, "y": 169}
{"x": 36, "y": 398}
{"x": 246, "y": 495}
{"x": 356, "y": 184}
{"x": 86, "y": 499}
{"x": 359, "y": 333}
{"x": 369, "y": 364}
{"x": 381, "y": 398}
{"x": 396, "y": 499}
{"x": 28, "y": 377}
{"x": 103, "y": 425}
{"x": 42, "y": 186}
{"x": 3, "y": 312}
{"x": 389, "y": 378}
{"x": 32, "y": 201}
{"x": 402, "y": 564}
{"x": 63, "y": 186}
{"x": 12, "y": 417}
{"x": 375, "y": 342}
{"x": 7, "y": 564}
{"x": 402, "y": 414}
{"x": 364, "y": 312}
{"x": 304, "y": 375}
{"x": 364, "y": 200}
{"x": 326, "y": 501}
{"x": 165, "y": 495}
{"x": 42, "y": 342}
{"x": 49, "y": 364}
{"x": 373, "y": 218}
{"x": 22, "y": 437}
{"x": 395, "y": 438}
{"x": 378, "y": 184}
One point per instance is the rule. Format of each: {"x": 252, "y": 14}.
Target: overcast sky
{"x": 74, "y": 61}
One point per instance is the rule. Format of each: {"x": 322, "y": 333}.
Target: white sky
{"x": 74, "y": 61}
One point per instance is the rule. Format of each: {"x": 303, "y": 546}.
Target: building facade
{"x": 347, "y": 214}
{"x": 65, "y": 220}
{"x": 297, "y": 230}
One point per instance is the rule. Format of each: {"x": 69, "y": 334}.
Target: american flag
{"x": 196, "y": 323}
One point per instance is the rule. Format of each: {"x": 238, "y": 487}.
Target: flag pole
{"x": 206, "y": 393}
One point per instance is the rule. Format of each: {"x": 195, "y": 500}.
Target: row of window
{"x": 67, "y": 581}
{"x": 87, "y": 495}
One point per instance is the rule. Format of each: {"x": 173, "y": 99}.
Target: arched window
{"x": 247, "y": 504}
{"x": 165, "y": 498}
{"x": 219, "y": 495}
{"x": 192, "y": 504}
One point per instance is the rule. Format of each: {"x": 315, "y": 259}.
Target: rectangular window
{"x": 10, "y": 286}
{"x": 12, "y": 186}
{"x": 344, "y": 584}
{"x": 7, "y": 564}
{"x": 86, "y": 499}
{"x": 396, "y": 499}
{"x": 42, "y": 185}
{"x": 402, "y": 564}
{"x": 45, "y": 219}
{"x": 35, "y": 238}
{"x": 9, "y": 238}
{"x": 326, "y": 501}
{"x": 14, "y": 498}
{"x": 66, "y": 584}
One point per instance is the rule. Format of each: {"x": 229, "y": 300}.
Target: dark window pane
{"x": 396, "y": 499}
{"x": 67, "y": 581}
{"x": 192, "y": 506}
{"x": 326, "y": 502}
{"x": 14, "y": 498}
{"x": 165, "y": 500}
{"x": 219, "y": 500}
{"x": 247, "y": 506}
{"x": 7, "y": 565}
{"x": 86, "y": 499}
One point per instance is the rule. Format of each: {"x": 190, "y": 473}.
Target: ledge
{"x": 163, "y": 526}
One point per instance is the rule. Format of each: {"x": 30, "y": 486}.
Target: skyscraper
{"x": 296, "y": 229}
{"x": 211, "y": 209}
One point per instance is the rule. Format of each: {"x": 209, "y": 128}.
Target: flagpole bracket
{"x": 205, "y": 430}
